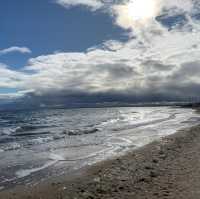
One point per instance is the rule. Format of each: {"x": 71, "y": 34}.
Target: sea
{"x": 41, "y": 144}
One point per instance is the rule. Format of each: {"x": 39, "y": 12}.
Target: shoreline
{"x": 168, "y": 168}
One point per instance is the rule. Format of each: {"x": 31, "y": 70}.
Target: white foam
{"x": 40, "y": 140}
{"x": 85, "y": 155}
{"x": 26, "y": 172}
{"x": 56, "y": 157}
{"x": 7, "y": 131}
{"x": 13, "y": 146}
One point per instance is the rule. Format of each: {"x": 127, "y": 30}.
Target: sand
{"x": 168, "y": 168}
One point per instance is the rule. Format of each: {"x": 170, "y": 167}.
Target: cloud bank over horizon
{"x": 160, "y": 60}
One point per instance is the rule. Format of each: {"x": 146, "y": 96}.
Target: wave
{"x": 40, "y": 140}
{"x": 6, "y": 139}
{"x": 80, "y": 132}
{"x": 151, "y": 122}
{"x": 6, "y": 131}
{"x": 12, "y": 147}
{"x": 30, "y": 134}
{"x": 26, "y": 128}
{"x": 58, "y": 157}
{"x": 192, "y": 120}
{"x": 26, "y": 172}
{"x": 109, "y": 122}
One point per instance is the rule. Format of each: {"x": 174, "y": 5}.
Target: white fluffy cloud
{"x": 10, "y": 78}
{"x": 128, "y": 13}
{"x": 15, "y": 49}
{"x": 92, "y": 4}
{"x": 132, "y": 67}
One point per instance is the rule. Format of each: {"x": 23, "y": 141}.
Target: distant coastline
{"x": 19, "y": 106}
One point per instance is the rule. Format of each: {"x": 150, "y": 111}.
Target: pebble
{"x": 155, "y": 161}
{"x": 149, "y": 167}
{"x": 97, "y": 179}
{"x": 153, "y": 174}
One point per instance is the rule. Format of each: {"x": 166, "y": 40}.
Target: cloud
{"x": 133, "y": 67}
{"x": 135, "y": 14}
{"x": 141, "y": 16}
{"x": 152, "y": 66}
{"x": 10, "y": 78}
{"x": 160, "y": 61}
{"x": 15, "y": 49}
{"x": 10, "y": 96}
{"x": 188, "y": 72}
{"x": 92, "y": 4}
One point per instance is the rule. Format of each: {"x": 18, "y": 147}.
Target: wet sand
{"x": 169, "y": 168}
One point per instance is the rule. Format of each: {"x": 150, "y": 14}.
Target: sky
{"x": 96, "y": 51}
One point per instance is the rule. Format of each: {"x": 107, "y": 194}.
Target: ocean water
{"x": 35, "y": 145}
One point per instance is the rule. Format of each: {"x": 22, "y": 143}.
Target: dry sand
{"x": 169, "y": 168}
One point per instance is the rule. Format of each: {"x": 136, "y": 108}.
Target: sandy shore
{"x": 169, "y": 168}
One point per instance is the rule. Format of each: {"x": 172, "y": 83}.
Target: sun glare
{"x": 141, "y": 10}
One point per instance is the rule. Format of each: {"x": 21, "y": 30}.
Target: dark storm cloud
{"x": 81, "y": 99}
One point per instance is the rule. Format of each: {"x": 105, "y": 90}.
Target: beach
{"x": 99, "y": 99}
{"x": 168, "y": 168}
